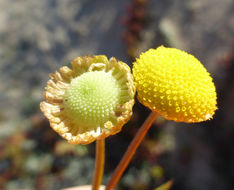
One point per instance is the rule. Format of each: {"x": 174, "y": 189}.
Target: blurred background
{"x": 38, "y": 37}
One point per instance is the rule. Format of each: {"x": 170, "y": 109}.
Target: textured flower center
{"x": 92, "y": 98}
{"x": 175, "y": 84}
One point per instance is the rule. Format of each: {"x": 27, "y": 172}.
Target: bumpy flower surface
{"x": 175, "y": 84}
{"x": 91, "y": 101}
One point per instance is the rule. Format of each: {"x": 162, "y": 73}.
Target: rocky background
{"x": 38, "y": 37}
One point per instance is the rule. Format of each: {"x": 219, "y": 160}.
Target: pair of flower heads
{"x": 94, "y": 98}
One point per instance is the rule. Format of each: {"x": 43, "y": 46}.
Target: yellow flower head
{"x": 91, "y": 101}
{"x": 175, "y": 84}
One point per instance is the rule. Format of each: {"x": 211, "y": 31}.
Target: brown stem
{"x": 130, "y": 151}
{"x": 99, "y": 164}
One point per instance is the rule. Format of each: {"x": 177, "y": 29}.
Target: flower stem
{"x": 99, "y": 164}
{"x": 130, "y": 151}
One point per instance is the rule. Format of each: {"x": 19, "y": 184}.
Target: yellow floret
{"x": 175, "y": 84}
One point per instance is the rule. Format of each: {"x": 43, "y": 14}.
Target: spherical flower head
{"x": 91, "y": 101}
{"x": 175, "y": 84}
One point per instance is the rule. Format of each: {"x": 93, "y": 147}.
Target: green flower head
{"x": 91, "y": 101}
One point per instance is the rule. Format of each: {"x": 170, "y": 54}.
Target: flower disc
{"x": 91, "y": 101}
{"x": 92, "y": 98}
{"x": 175, "y": 84}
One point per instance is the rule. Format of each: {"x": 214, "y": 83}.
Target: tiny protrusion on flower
{"x": 175, "y": 84}
{"x": 91, "y": 100}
